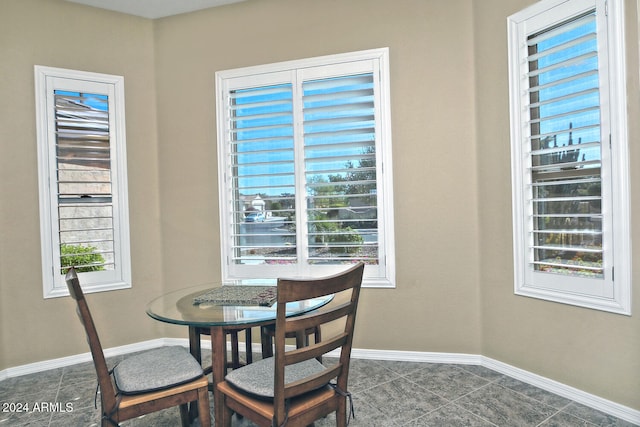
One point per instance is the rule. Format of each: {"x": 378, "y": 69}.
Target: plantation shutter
{"x": 340, "y": 168}
{"x": 83, "y": 160}
{"x": 569, "y": 158}
{"x": 263, "y": 174}
{"x": 566, "y": 196}
{"x": 301, "y": 149}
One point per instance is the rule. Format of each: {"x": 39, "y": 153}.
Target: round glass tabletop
{"x": 181, "y": 307}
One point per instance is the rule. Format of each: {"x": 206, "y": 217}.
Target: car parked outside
{"x": 255, "y": 217}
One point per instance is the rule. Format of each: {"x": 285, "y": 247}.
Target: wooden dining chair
{"x": 146, "y": 382}
{"x": 293, "y": 387}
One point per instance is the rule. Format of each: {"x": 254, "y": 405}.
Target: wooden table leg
{"x": 194, "y": 344}
{"x": 219, "y": 361}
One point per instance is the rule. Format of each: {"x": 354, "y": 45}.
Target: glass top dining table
{"x": 182, "y": 307}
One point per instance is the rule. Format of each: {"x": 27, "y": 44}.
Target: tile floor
{"x": 385, "y": 394}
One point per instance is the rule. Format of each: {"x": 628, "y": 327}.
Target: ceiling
{"x": 153, "y": 9}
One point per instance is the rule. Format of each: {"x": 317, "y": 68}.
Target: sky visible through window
{"x": 336, "y": 128}
{"x": 569, "y": 89}
{"x": 93, "y": 100}
{"x": 263, "y": 132}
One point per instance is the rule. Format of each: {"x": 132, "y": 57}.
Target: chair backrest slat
{"x": 313, "y": 351}
{"x": 289, "y": 289}
{"x": 321, "y": 317}
{"x": 104, "y": 379}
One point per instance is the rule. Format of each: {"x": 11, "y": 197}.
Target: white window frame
{"x": 614, "y": 291}
{"x": 382, "y": 275}
{"x": 47, "y": 80}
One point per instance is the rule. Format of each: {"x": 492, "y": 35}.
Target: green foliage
{"x": 83, "y": 258}
{"x": 352, "y": 238}
{"x": 333, "y": 234}
{"x": 275, "y": 206}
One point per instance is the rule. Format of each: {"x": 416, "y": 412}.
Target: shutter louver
{"x": 340, "y": 169}
{"x": 262, "y": 161}
{"x": 565, "y": 149}
{"x": 83, "y": 160}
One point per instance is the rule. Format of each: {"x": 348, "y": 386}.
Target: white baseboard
{"x": 615, "y": 409}
{"x": 46, "y": 365}
{"x": 572, "y": 393}
{"x": 417, "y": 356}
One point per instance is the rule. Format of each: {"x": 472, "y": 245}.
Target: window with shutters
{"x": 305, "y": 168}
{"x": 569, "y": 153}
{"x": 83, "y": 183}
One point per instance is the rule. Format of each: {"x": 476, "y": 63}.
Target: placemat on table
{"x": 239, "y": 295}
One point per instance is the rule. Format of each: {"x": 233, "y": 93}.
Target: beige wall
{"x": 433, "y": 140}
{"x": 452, "y": 178}
{"x": 61, "y": 34}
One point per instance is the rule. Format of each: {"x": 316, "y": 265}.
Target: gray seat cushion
{"x": 156, "y": 369}
{"x": 257, "y": 378}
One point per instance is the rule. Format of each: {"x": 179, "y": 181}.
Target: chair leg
{"x": 317, "y": 335}
{"x": 184, "y": 415}
{"x": 267, "y": 343}
{"x": 227, "y": 414}
{"x": 247, "y": 346}
{"x": 235, "y": 354}
{"x": 341, "y": 413}
{"x": 105, "y": 422}
{"x": 302, "y": 339}
{"x": 203, "y": 407}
